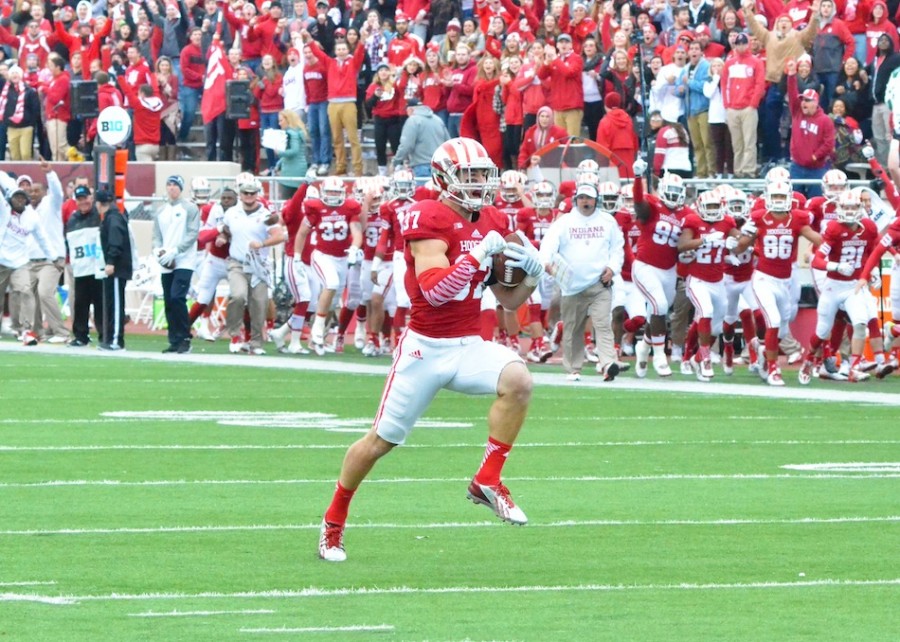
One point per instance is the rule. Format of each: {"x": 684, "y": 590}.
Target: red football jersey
{"x": 332, "y": 225}
{"x": 776, "y": 241}
{"x": 709, "y": 260}
{"x": 375, "y": 224}
{"x": 292, "y": 216}
{"x": 392, "y": 213}
{"x": 434, "y": 220}
{"x": 743, "y": 271}
{"x": 658, "y": 243}
{"x": 843, "y": 245}
{"x": 533, "y": 225}
{"x": 823, "y": 212}
{"x": 510, "y": 210}
{"x": 632, "y": 233}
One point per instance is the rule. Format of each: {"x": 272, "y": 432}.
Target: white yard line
{"x": 27, "y": 583}
{"x": 201, "y": 613}
{"x": 160, "y": 530}
{"x": 891, "y": 471}
{"x": 519, "y": 445}
{"x": 865, "y": 394}
{"x": 42, "y": 599}
{"x": 358, "y": 628}
{"x": 313, "y": 592}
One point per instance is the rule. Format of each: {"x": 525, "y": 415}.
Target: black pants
{"x": 721, "y": 138}
{"x": 249, "y": 154}
{"x": 88, "y": 291}
{"x": 175, "y": 290}
{"x": 221, "y": 131}
{"x": 512, "y": 141}
{"x": 114, "y": 311}
{"x": 528, "y": 121}
{"x": 387, "y": 130}
{"x": 593, "y": 112}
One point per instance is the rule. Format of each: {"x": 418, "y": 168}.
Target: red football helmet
{"x": 544, "y": 196}
{"x": 464, "y": 172}
{"x": 333, "y": 192}
{"x": 711, "y": 206}
{"x": 403, "y": 183}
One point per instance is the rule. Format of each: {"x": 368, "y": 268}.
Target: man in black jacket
{"x": 83, "y": 240}
{"x": 880, "y": 69}
{"x": 116, "y": 243}
{"x": 20, "y": 108}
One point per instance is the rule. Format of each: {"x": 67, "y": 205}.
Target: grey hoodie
{"x": 422, "y": 134}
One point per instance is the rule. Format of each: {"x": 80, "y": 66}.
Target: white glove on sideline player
{"x": 749, "y": 229}
{"x": 490, "y": 245}
{"x": 639, "y": 167}
{"x": 842, "y": 268}
{"x": 731, "y": 243}
{"x": 354, "y": 255}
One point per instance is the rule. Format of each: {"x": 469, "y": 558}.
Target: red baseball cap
{"x": 810, "y": 94}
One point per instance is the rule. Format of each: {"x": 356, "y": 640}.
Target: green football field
{"x": 175, "y": 499}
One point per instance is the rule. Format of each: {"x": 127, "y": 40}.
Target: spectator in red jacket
{"x": 832, "y": 46}
{"x": 248, "y": 128}
{"x": 542, "y": 133}
{"x": 342, "y": 72}
{"x": 32, "y": 40}
{"x": 812, "y": 135}
{"x": 147, "y": 109}
{"x": 533, "y": 89}
{"x": 743, "y": 85}
{"x": 616, "y": 133}
{"x": 315, "y": 85}
{"x": 137, "y": 73}
{"x": 193, "y": 68}
{"x": 270, "y": 94}
{"x": 566, "y": 89}
{"x": 57, "y": 106}
{"x": 481, "y": 120}
{"x": 461, "y": 85}
{"x": 107, "y": 96}
{"x": 434, "y": 90}
{"x": 386, "y": 102}
{"x": 513, "y": 116}
{"x": 88, "y": 40}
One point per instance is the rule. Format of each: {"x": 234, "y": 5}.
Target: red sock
{"x": 340, "y": 505}
{"x": 344, "y": 319}
{"x": 196, "y": 310}
{"x": 301, "y": 308}
{"x": 544, "y": 319}
{"x": 690, "y": 342}
{"x": 837, "y": 333}
{"x": 361, "y": 313}
{"x": 400, "y": 320}
{"x": 495, "y": 455}
{"x": 635, "y": 324}
{"x": 772, "y": 340}
{"x": 760, "y": 323}
{"x": 874, "y": 328}
{"x": 748, "y": 325}
{"x": 247, "y": 321}
{"x": 534, "y": 313}
{"x": 386, "y": 326}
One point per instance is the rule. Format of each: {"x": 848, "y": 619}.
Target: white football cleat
{"x": 370, "y": 350}
{"x": 794, "y": 357}
{"x": 556, "y": 336}
{"x": 497, "y": 498}
{"x": 686, "y": 367}
{"x": 203, "y": 332}
{"x": 661, "y": 364}
{"x": 237, "y": 346}
{"x": 886, "y": 368}
{"x": 641, "y": 358}
{"x": 359, "y": 335}
{"x": 278, "y": 335}
{"x": 805, "y": 374}
{"x": 857, "y": 375}
{"x": 591, "y": 354}
{"x": 696, "y": 369}
{"x": 296, "y": 348}
{"x": 706, "y": 369}
{"x": 677, "y": 353}
{"x": 774, "y": 377}
{"x": 331, "y": 543}
{"x": 573, "y": 376}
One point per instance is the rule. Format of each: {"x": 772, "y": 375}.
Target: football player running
{"x": 450, "y": 244}
{"x": 775, "y": 231}
{"x": 847, "y": 241}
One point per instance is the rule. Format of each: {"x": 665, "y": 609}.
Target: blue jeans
{"x": 453, "y": 125}
{"x": 422, "y": 171}
{"x": 769, "y": 120}
{"x": 269, "y": 120}
{"x": 444, "y": 115}
{"x": 319, "y": 133}
{"x": 189, "y": 99}
{"x": 175, "y": 286}
{"x": 808, "y": 190}
{"x": 829, "y": 83}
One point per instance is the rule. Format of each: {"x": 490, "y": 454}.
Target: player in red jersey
{"x": 449, "y": 248}
{"x": 847, "y": 242}
{"x": 741, "y": 303}
{"x": 509, "y": 202}
{"x": 653, "y": 269}
{"x": 389, "y": 250}
{"x": 534, "y": 222}
{"x": 710, "y": 234}
{"x": 335, "y": 219}
{"x": 215, "y": 264}
{"x": 775, "y": 232}
{"x": 628, "y": 304}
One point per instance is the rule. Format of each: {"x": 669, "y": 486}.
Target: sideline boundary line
{"x": 542, "y": 379}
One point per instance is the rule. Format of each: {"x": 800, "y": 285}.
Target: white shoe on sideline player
{"x": 278, "y": 335}
{"x": 641, "y": 358}
{"x": 359, "y": 336}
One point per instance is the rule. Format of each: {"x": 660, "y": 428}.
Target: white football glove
{"x": 524, "y": 256}
{"x": 687, "y": 256}
{"x": 875, "y": 281}
{"x": 354, "y": 255}
{"x": 868, "y": 152}
{"x": 167, "y": 256}
{"x": 731, "y": 243}
{"x": 749, "y": 229}
{"x": 843, "y": 268}
{"x": 713, "y": 239}
{"x": 490, "y": 245}
{"x": 639, "y": 167}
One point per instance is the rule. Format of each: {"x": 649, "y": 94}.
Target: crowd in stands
{"x": 709, "y": 78}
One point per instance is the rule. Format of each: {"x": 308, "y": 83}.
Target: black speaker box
{"x": 238, "y": 99}
{"x": 84, "y": 99}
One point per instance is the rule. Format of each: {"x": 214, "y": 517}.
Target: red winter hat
{"x": 810, "y": 94}
{"x": 612, "y": 100}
